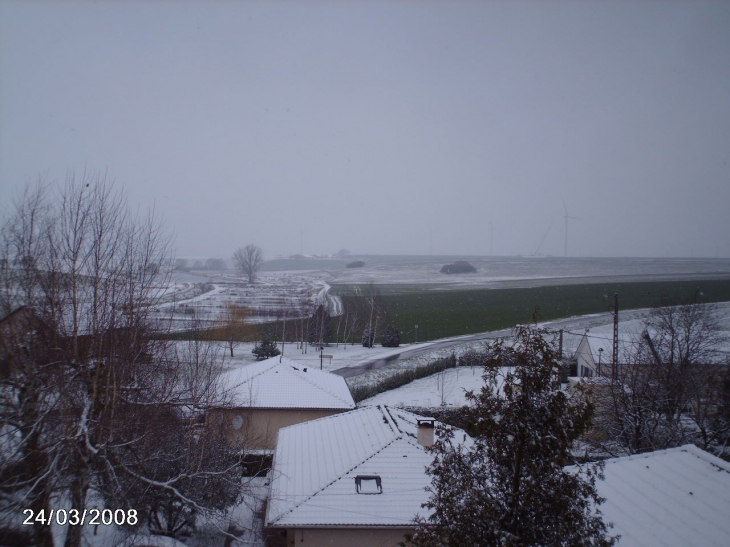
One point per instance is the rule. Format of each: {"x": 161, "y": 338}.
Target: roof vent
{"x": 368, "y": 484}
{"x": 426, "y": 431}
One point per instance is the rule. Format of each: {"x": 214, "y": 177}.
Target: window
{"x": 368, "y": 484}
{"x": 256, "y": 465}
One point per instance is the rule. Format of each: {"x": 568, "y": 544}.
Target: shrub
{"x": 356, "y": 264}
{"x": 368, "y": 338}
{"x": 391, "y": 337}
{"x": 460, "y": 266}
{"x": 360, "y": 393}
{"x": 265, "y": 350}
{"x": 475, "y": 358}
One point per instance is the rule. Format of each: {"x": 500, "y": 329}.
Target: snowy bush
{"x": 457, "y": 267}
{"x": 400, "y": 378}
{"x": 265, "y": 350}
{"x": 391, "y": 337}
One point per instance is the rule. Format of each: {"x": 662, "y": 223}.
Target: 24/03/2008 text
{"x": 74, "y": 517}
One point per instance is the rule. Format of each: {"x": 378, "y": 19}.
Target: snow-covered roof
{"x": 316, "y": 464}
{"x": 287, "y": 384}
{"x": 674, "y": 497}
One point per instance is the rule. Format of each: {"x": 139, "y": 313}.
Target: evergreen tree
{"x": 391, "y": 337}
{"x": 510, "y": 486}
{"x": 368, "y": 338}
{"x": 266, "y": 349}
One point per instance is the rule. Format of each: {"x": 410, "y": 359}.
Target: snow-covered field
{"x": 526, "y": 271}
{"x": 205, "y": 294}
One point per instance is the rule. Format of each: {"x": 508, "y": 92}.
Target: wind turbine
{"x": 537, "y": 251}
{"x": 566, "y": 217}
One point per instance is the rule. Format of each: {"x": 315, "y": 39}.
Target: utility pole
{"x": 614, "y": 360}
{"x": 560, "y": 354}
{"x": 283, "y": 338}
{"x": 600, "y": 353}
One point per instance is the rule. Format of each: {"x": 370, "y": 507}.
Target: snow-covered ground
{"x": 342, "y": 356}
{"x": 207, "y": 293}
{"x": 526, "y": 271}
{"x": 446, "y": 388}
{"x": 453, "y": 383}
{"x": 205, "y": 296}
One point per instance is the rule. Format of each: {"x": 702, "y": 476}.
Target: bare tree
{"x": 86, "y": 383}
{"x": 670, "y": 390}
{"x": 320, "y": 325}
{"x": 443, "y": 386}
{"x": 352, "y": 317}
{"x": 377, "y": 315}
{"x": 234, "y": 325}
{"x": 248, "y": 260}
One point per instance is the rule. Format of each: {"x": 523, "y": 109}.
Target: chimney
{"x": 426, "y": 431}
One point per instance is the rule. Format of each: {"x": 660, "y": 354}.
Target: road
{"x": 376, "y": 363}
{"x": 567, "y": 324}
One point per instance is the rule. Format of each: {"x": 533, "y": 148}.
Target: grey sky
{"x": 368, "y": 125}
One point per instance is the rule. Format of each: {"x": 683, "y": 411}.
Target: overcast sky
{"x": 376, "y": 126}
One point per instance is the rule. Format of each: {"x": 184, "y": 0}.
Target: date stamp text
{"x": 76, "y": 517}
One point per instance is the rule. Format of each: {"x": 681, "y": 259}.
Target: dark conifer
{"x": 510, "y": 487}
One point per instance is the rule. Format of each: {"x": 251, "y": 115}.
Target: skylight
{"x": 368, "y": 484}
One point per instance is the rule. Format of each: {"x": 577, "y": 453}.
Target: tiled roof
{"x": 287, "y": 384}
{"x": 316, "y": 464}
{"x": 675, "y": 497}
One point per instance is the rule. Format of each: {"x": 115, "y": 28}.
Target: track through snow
{"x": 333, "y": 303}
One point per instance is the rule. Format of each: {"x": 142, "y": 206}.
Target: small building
{"x": 276, "y": 393}
{"x": 586, "y": 365}
{"x": 356, "y": 479}
{"x": 674, "y": 498}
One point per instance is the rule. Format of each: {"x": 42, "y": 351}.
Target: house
{"x": 354, "y": 479}
{"x": 276, "y": 393}
{"x": 586, "y": 365}
{"x": 674, "y": 498}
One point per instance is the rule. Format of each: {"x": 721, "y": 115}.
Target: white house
{"x": 353, "y": 479}
{"x": 276, "y": 393}
{"x": 586, "y": 364}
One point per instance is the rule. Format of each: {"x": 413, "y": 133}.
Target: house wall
{"x": 586, "y": 364}
{"x": 346, "y": 537}
{"x": 261, "y": 426}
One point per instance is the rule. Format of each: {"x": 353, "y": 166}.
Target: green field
{"x": 441, "y": 314}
